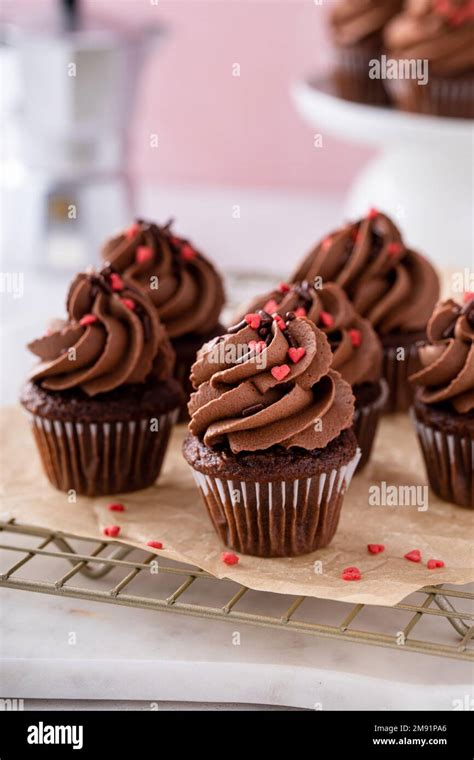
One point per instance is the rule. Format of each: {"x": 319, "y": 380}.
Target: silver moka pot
{"x": 65, "y": 185}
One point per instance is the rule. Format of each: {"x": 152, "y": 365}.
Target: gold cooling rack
{"x": 437, "y": 602}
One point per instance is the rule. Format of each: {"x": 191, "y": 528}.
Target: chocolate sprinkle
{"x": 290, "y": 338}
{"x": 236, "y": 328}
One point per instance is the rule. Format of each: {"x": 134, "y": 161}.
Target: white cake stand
{"x": 422, "y": 175}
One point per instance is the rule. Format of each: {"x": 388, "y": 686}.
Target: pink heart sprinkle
{"x": 280, "y": 372}
{"x": 112, "y": 530}
{"x": 351, "y": 574}
{"x": 414, "y": 555}
{"x": 432, "y": 564}
{"x": 296, "y": 354}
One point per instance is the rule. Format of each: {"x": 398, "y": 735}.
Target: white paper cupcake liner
{"x": 366, "y": 420}
{"x": 277, "y": 519}
{"x": 449, "y": 461}
{"x": 96, "y": 459}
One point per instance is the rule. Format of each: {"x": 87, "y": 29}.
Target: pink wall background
{"x": 218, "y": 129}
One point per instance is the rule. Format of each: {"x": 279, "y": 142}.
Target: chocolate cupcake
{"x": 357, "y": 352}
{"x": 102, "y": 400}
{"x": 270, "y": 442}
{"x": 184, "y": 286}
{"x": 357, "y": 32}
{"x": 440, "y": 32}
{"x": 392, "y": 286}
{"x": 444, "y": 402}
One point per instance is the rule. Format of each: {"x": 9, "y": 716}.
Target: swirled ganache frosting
{"x": 357, "y": 352}
{"x": 440, "y": 31}
{"x": 113, "y": 337}
{"x": 355, "y": 20}
{"x": 183, "y": 285}
{"x": 266, "y": 383}
{"x": 448, "y": 357}
{"x": 395, "y": 288}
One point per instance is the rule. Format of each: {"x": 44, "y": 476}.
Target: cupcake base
{"x": 108, "y": 444}
{"x": 351, "y": 73}
{"x": 398, "y": 366}
{"x": 186, "y": 348}
{"x": 441, "y": 96}
{"x": 275, "y": 503}
{"x": 447, "y": 444}
{"x": 370, "y": 401}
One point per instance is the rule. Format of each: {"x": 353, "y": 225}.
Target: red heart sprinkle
{"x": 394, "y": 248}
{"x": 351, "y": 574}
{"x": 87, "y": 319}
{"x": 129, "y": 303}
{"x": 283, "y": 287}
{"x": 326, "y": 318}
{"x": 229, "y": 558}
{"x": 414, "y": 555}
{"x": 131, "y": 231}
{"x": 432, "y": 564}
{"x": 296, "y": 354}
{"x": 143, "y": 253}
{"x": 326, "y": 244}
{"x": 375, "y": 548}
{"x": 372, "y": 213}
{"x": 280, "y": 321}
{"x": 116, "y": 282}
{"x": 270, "y": 306}
{"x": 253, "y": 320}
{"x": 111, "y": 530}
{"x": 356, "y": 337}
{"x": 155, "y": 544}
{"x": 257, "y": 345}
{"x": 187, "y": 252}
{"x": 300, "y": 312}
{"x": 280, "y": 372}
{"x": 468, "y": 296}
{"x": 116, "y": 507}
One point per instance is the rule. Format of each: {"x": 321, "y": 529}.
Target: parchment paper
{"x": 172, "y": 513}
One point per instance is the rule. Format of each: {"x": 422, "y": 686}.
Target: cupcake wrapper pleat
{"x": 366, "y": 420}
{"x": 449, "y": 461}
{"x": 449, "y": 96}
{"x": 396, "y": 373}
{"x": 351, "y": 77}
{"x": 277, "y": 519}
{"x": 95, "y": 459}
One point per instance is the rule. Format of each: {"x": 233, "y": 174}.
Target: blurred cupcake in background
{"x": 270, "y": 442}
{"x": 181, "y": 282}
{"x": 356, "y": 348}
{"x": 357, "y": 33}
{"x": 392, "y": 286}
{"x": 440, "y": 32}
{"x": 102, "y": 400}
{"x": 444, "y": 401}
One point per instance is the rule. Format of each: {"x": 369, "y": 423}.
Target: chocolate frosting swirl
{"x": 281, "y": 391}
{"x": 113, "y": 337}
{"x": 394, "y": 287}
{"x": 441, "y": 32}
{"x": 357, "y": 352}
{"x": 448, "y": 357}
{"x": 183, "y": 285}
{"x": 354, "y": 20}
